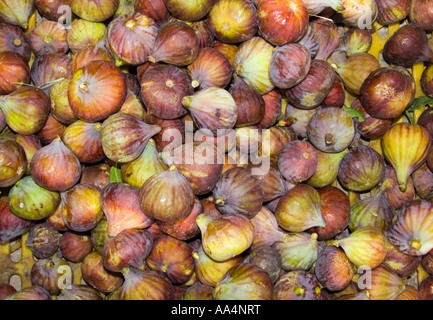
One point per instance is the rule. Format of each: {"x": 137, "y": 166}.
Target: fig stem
{"x": 416, "y": 244}
{"x": 300, "y": 291}
{"x": 17, "y": 42}
{"x": 195, "y": 83}
{"x": 329, "y": 139}
{"x": 220, "y": 201}
{"x": 403, "y": 187}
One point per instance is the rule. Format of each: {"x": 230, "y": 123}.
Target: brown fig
{"x": 75, "y": 246}
{"x": 13, "y": 162}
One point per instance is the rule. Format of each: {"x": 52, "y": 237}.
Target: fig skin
{"x": 13, "y": 38}
{"x": 6, "y": 290}
{"x": 356, "y": 40}
{"x": 97, "y": 276}
{"x": 391, "y": 88}
{"x": 279, "y": 136}
{"x": 297, "y": 285}
{"x": 327, "y": 168}
{"x": 172, "y": 257}
{"x": 272, "y": 181}
{"x": 82, "y": 209}
{"x": 337, "y": 96}
{"x": 225, "y": 237}
{"x": 17, "y": 12}
{"x": 167, "y": 196}
{"x": 427, "y": 262}
{"x": 132, "y": 30}
{"x": 403, "y": 264}
{"x": 176, "y": 43}
{"x": 414, "y": 142}
{"x": 143, "y": 285}
{"x": 233, "y": 22}
{"x": 267, "y": 258}
{"x": 409, "y": 293}
{"x": 333, "y": 269}
{"x": 238, "y": 192}
{"x": 28, "y": 200}
{"x": 56, "y": 219}
{"x": 129, "y": 248}
{"x": 327, "y": 34}
{"x": 335, "y": 208}
{"x": 289, "y": 25}
{"x": 244, "y": 281}
{"x": 43, "y": 240}
{"x": 189, "y": 10}
{"x": 51, "y": 9}
{"x": 11, "y": 226}
{"x": 162, "y": 90}
{"x": 392, "y": 11}
{"x": 84, "y": 33}
{"x": 395, "y": 197}
{"x": 272, "y": 113}
{"x": 385, "y": 284}
{"x": 75, "y": 246}
{"x": 423, "y": 181}
{"x": 361, "y": 169}
{"x": 52, "y": 162}
{"x": 97, "y": 175}
{"x": 48, "y": 68}
{"x": 86, "y": 96}
{"x": 48, "y": 37}
{"x": 94, "y": 11}
{"x": 299, "y": 209}
{"x": 47, "y": 274}
{"x": 297, "y": 161}
{"x": 204, "y": 34}
{"x": 60, "y": 107}
{"x": 100, "y": 236}
{"x": 14, "y": 70}
{"x": 120, "y": 203}
{"x": 88, "y": 54}
{"x": 79, "y": 292}
{"x": 30, "y": 293}
{"x": 13, "y": 162}
{"x": 197, "y": 291}
{"x": 371, "y": 127}
{"x": 52, "y": 129}
{"x": 155, "y": 9}
{"x": 172, "y": 134}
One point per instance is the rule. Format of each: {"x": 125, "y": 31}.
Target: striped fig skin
{"x": 13, "y": 69}
{"x": 403, "y": 264}
{"x": 297, "y": 285}
{"x": 238, "y": 191}
{"x": 244, "y": 281}
{"x": 361, "y": 169}
{"x": 409, "y": 293}
{"x": 11, "y": 226}
{"x": 384, "y": 284}
{"x": 393, "y": 194}
{"x": 405, "y": 146}
{"x": 225, "y": 237}
{"x": 13, "y": 162}
{"x": 412, "y": 229}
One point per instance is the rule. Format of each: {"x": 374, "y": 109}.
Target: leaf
{"x": 355, "y": 113}
{"x": 419, "y": 103}
{"x": 115, "y": 174}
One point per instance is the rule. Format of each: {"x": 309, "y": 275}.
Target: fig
{"x": 28, "y": 200}
{"x": 124, "y": 137}
{"x": 43, "y": 240}
{"x": 52, "y": 129}
{"x": 99, "y": 235}
{"x": 79, "y": 292}
{"x": 267, "y": 258}
{"x": 426, "y": 261}
{"x": 238, "y": 192}
{"x": 385, "y": 284}
{"x": 176, "y": 43}
{"x": 121, "y": 207}
{"x": 93, "y": 11}
{"x": 167, "y": 196}
{"x": 361, "y": 169}
{"x": 30, "y": 293}
{"x": 88, "y": 54}
{"x": 82, "y": 209}
{"x": 233, "y": 22}
{"x": 30, "y": 144}
{"x": 297, "y": 285}
{"x": 51, "y": 10}
{"x": 225, "y": 237}
{"x": 13, "y": 38}
{"x": 211, "y": 68}
{"x": 6, "y": 290}
{"x": 143, "y": 285}
{"x": 271, "y": 180}
{"x": 252, "y": 61}
{"x": 244, "y": 281}
{"x": 423, "y": 181}
{"x": 297, "y": 118}
{"x": 132, "y": 104}
{"x": 297, "y": 161}
{"x": 315, "y": 7}
{"x": 407, "y": 46}
{"x": 396, "y": 198}
{"x": 26, "y": 109}
{"x": 48, "y": 274}
{"x": 17, "y": 12}
{"x": 299, "y": 209}
{"x": 97, "y": 175}
{"x": 356, "y": 40}
{"x": 83, "y": 139}
{"x": 56, "y": 219}
{"x": 298, "y": 251}
{"x": 172, "y": 134}
{"x": 272, "y": 113}
{"x": 371, "y": 127}
{"x": 409, "y": 231}
{"x": 327, "y": 168}
{"x": 355, "y": 69}
{"x": 83, "y": 33}
{"x": 14, "y": 72}
{"x": 359, "y": 13}
{"x": 132, "y": 30}
{"x": 403, "y": 264}
{"x": 97, "y": 276}
{"x": 327, "y": 34}
{"x": 60, "y": 107}
{"x": 155, "y": 9}
{"x": 333, "y": 269}
{"x": 331, "y": 130}
{"x": 11, "y": 226}
{"x": 362, "y": 295}
{"x": 335, "y": 208}
{"x": 53, "y": 162}
{"x": 48, "y": 37}
{"x": 13, "y": 162}
{"x": 49, "y": 68}
{"x": 189, "y": 10}
{"x": 314, "y": 88}
{"x": 162, "y": 90}
{"x": 282, "y": 22}
{"x": 391, "y": 88}
{"x": 278, "y": 137}
{"x": 409, "y": 153}
{"x": 337, "y": 96}
{"x": 426, "y": 84}
{"x": 289, "y": 65}
{"x": 420, "y": 13}
{"x": 75, "y": 246}
{"x": 88, "y": 101}
{"x": 392, "y": 11}
{"x": 197, "y": 291}
{"x": 204, "y": 35}
{"x": 409, "y": 293}
{"x": 212, "y": 108}
{"x": 129, "y": 248}
{"x": 227, "y": 49}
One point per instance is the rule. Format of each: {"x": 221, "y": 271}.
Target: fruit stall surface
{"x": 216, "y": 150}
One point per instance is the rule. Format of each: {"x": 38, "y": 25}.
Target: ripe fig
{"x": 357, "y": 13}
{"x": 155, "y": 9}
{"x": 356, "y": 40}
{"x": 11, "y": 226}
{"x": 396, "y": 198}
{"x": 392, "y": 11}
{"x": 266, "y": 229}
{"x": 197, "y": 291}
{"x": 385, "y": 284}
{"x": 409, "y": 293}
{"x": 50, "y": 67}
{"x": 48, "y": 37}
{"x": 88, "y": 54}
{"x": 52, "y": 129}
{"x": 14, "y": 72}
{"x": 79, "y": 292}
{"x": 297, "y": 285}
{"x": 97, "y": 175}
{"x": 327, "y": 34}
{"x": 43, "y": 240}
{"x": 75, "y": 246}
{"x": 189, "y": 10}
{"x": 272, "y": 181}
{"x": 273, "y": 112}
{"x": 93, "y": 11}
{"x": 403, "y": 264}
{"x": 30, "y": 293}
{"x": 47, "y": 273}
{"x": 327, "y": 168}
{"x": 13, "y": 38}
{"x": 371, "y": 127}
{"x": 13, "y": 162}
{"x": 83, "y": 33}
{"x": 17, "y": 12}
{"x": 204, "y": 35}
{"x": 51, "y": 10}
{"x": 6, "y": 290}
{"x": 267, "y": 258}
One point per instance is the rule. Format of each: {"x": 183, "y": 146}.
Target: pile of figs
{"x": 218, "y": 149}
